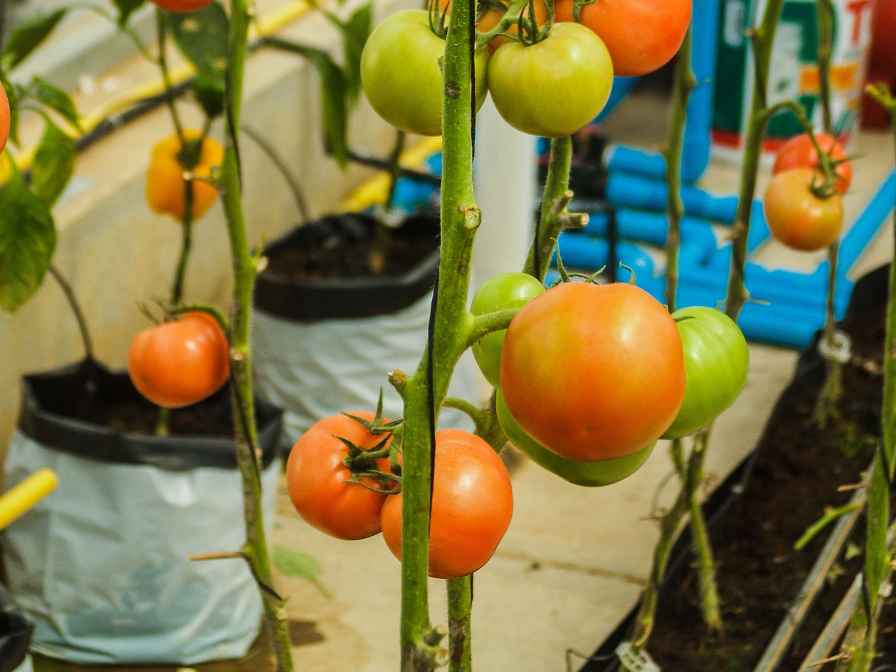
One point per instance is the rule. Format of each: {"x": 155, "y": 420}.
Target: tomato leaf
{"x": 27, "y": 242}
{"x": 53, "y": 164}
{"x": 355, "y": 31}
{"x": 298, "y": 564}
{"x": 202, "y": 38}
{"x": 27, "y": 36}
{"x": 209, "y": 93}
{"x": 125, "y": 9}
{"x": 56, "y": 99}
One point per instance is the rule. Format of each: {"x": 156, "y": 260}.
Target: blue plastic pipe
{"x": 639, "y": 193}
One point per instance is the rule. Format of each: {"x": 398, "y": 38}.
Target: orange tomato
{"x": 182, "y": 6}
{"x": 318, "y": 479}
{"x": 165, "y": 185}
{"x": 642, "y": 35}
{"x": 472, "y": 504}
{"x": 4, "y": 118}
{"x": 797, "y": 217}
{"x": 180, "y": 363}
{"x": 593, "y": 372}
{"x": 799, "y": 152}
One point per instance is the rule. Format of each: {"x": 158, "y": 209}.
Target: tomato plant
{"x": 716, "y": 361}
{"x": 180, "y": 363}
{"x": 799, "y": 152}
{"x": 182, "y": 6}
{"x": 319, "y": 481}
{"x": 799, "y": 218}
{"x": 589, "y": 474}
{"x": 402, "y": 76}
{"x": 472, "y": 504}
{"x": 593, "y": 372}
{"x": 571, "y": 63}
{"x": 642, "y": 35}
{"x": 508, "y": 290}
{"x": 165, "y": 186}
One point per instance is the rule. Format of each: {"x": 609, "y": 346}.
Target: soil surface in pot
{"x": 796, "y": 475}
{"x": 351, "y": 246}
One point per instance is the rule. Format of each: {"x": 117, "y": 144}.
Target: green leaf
{"x": 56, "y": 99}
{"x": 202, "y": 38}
{"x": 295, "y": 563}
{"x": 355, "y": 31}
{"x": 209, "y": 94}
{"x": 27, "y": 242}
{"x": 27, "y": 36}
{"x": 53, "y": 164}
{"x": 125, "y": 9}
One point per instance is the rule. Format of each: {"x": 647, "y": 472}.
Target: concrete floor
{"x": 574, "y": 560}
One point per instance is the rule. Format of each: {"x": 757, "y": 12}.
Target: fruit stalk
{"x": 671, "y": 520}
{"x": 450, "y": 327}
{"x": 861, "y": 640}
{"x": 245, "y": 267}
{"x": 833, "y": 386}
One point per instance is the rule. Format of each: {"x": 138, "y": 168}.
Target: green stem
{"x": 244, "y": 271}
{"x": 553, "y": 218}
{"x": 700, "y": 542}
{"x": 864, "y": 629}
{"x": 281, "y": 165}
{"x": 162, "y": 35}
{"x": 460, "y": 607}
{"x": 180, "y": 274}
{"x": 73, "y": 303}
{"x": 824, "y": 10}
{"x": 395, "y": 167}
{"x": 425, "y": 391}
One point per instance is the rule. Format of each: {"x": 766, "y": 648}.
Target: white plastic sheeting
{"x": 316, "y": 369}
{"x": 102, "y": 565}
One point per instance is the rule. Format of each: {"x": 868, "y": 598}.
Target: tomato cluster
{"x": 803, "y": 206}
{"x": 550, "y": 79}
{"x": 341, "y": 482}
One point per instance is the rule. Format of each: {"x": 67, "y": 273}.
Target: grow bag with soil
{"x": 328, "y": 329}
{"x": 15, "y": 635}
{"x": 760, "y": 511}
{"x": 102, "y": 565}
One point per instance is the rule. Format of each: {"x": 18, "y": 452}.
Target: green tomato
{"x": 401, "y": 72}
{"x": 502, "y": 292}
{"x": 553, "y": 87}
{"x": 716, "y": 360}
{"x": 589, "y": 474}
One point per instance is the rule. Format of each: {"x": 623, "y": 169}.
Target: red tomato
{"x": 642, "y": 35}
{"x": 472, "y": 504}
{"x": 797, "y": 217}
{"x": 182, "y": 6}
{"x": 4, "y": 118}
{"x": 799, "y": 152}
{"x": 180, "y": 363}
{"x": 318, "y": 480}
{"x": 593, "y": 372}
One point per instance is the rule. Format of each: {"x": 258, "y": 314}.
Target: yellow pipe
{"x": 267, "y": 25}
{"x": 375, "y": 190}
{"x": 18, "y": 501}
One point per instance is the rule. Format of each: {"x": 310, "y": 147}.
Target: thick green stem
{"x": 244, "y": 271}
{"x": 73, "y": 303}
{"x": 425, "y": 391}
{"x": 460, "y": 607}
{"x": 763, "y": 39}
{"x": 700, "y": 542}
{"x": 553, "y": 217}
{"x": 864, "y": 629}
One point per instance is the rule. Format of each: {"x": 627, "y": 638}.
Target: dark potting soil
{"x": 796, "y": 475}
{"x": 353, "y": 247}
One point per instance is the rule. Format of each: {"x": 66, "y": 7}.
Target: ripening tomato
{"x": 554, "y": 87}
{"x": 642, "y": 35}
{"x": 182, "y": 6}
{"x": 472, "y": 504}
{"x": 318, "y": 479}
{"x": 401, "y": 73}
{"x": 180, "y": 363}
{"x": 165, "y": 186}
{"x": 797, "y": 217}
{"x": 502, "y": 292}
{"x": 588, "y": 474}
{"x": 4, "y": 118}
{"x": 716, "y": 361}
{"x": 799, "y": 152}
{"x": 593, "y": 372}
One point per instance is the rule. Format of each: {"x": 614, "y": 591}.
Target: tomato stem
{"x": 460, "y": 608}
{"x": 553, "y": 208}
{"x": 245, "y": 267}
{"x": 511, "y": 18}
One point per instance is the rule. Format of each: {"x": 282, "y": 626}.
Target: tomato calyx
{"x": 363, "y": 463}
{"x": 578, "y": 6}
